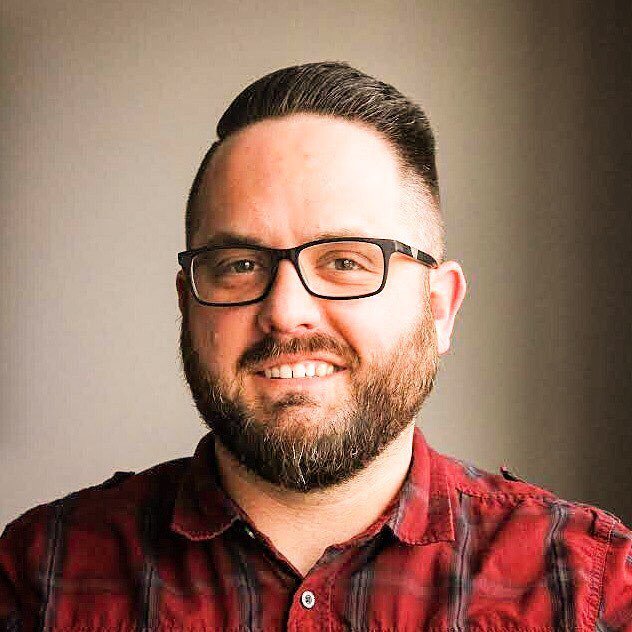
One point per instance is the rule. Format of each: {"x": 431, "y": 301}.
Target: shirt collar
{"x": 421, "y": 515}
{"x": 202, "y": 508}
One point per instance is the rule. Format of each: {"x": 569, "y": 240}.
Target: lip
{"x": 298, "y": 359}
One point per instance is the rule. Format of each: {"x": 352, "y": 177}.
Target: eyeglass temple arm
{"x": 413, "y": 252}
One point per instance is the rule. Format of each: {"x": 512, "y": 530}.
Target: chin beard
{"x": 276, "y": 442}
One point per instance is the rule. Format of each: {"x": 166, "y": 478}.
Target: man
{"x": 315, "y": 299}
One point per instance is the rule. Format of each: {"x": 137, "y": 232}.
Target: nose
{"x": 288, "y": 308}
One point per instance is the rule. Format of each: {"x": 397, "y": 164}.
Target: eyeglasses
{"x": 337, "y": 269}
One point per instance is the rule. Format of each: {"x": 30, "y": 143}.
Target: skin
{"x": 282, "y": 183}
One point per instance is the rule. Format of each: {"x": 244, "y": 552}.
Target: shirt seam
{"x": 597, "y": 593}
{"x": 543, "y": 496}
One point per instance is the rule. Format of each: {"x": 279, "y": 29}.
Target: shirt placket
{"x": 312, "y": 603}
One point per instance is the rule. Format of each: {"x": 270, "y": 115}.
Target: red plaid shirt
{"x": 460, "y": 550}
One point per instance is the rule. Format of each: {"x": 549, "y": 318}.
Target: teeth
{"x": 300, "y": 370}
{"x": 321, "y": 369}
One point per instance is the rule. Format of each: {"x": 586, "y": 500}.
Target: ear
{"x": 182, "y": 287}
{"x": 447, "y": 290}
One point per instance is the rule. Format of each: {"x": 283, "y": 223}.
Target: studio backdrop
{"x": 106, "y": 109}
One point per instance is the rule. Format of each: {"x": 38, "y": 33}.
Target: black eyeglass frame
{"x": 387, "y": 246}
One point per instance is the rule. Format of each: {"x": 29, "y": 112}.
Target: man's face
{"x": 282, "y": 183}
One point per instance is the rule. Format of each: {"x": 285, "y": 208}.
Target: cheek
{"x": 406, "y": 292}
{"x": 367, "y": 327}
{"x": 220, "y": 336}
{"x": 374, "y": 326}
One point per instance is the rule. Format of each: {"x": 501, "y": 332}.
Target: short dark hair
{"x": 335, "y": 89}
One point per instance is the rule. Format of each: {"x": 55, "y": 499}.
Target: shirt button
{"x": 308, "y": 600}
{"x": 249, "y": 532}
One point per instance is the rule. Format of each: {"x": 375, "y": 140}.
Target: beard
{"x": 293, "y": 441}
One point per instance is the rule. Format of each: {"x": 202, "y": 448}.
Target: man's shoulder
{"x": 508, "y": 528}
{"x": 506, "y": 495}
{"x": 475, "y": 481}
{"x": 117, "y": 498}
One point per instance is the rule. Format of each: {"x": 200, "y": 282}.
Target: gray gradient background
{"x": 106, "y": 109}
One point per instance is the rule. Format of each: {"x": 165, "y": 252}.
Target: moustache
{"x": 269, "y": 348}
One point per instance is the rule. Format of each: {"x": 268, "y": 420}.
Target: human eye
{"x": 227, "y": 265}
{"x": 346, "y": 264}
{"x": 343, "y": 262}
{"x": 238, "y": 266}
{"x": 347, "y": 261}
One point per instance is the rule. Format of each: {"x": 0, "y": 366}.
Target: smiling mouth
{"x": 299, "y": 370}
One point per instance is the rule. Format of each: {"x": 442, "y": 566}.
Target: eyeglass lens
{"x": 342, "y": 269}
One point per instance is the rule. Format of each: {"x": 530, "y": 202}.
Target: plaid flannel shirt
{"x": 459, "y": 550}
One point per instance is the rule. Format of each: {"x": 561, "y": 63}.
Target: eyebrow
{"x": 227, "y": 238}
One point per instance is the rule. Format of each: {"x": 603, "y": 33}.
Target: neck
{"x": 319, "y": 518}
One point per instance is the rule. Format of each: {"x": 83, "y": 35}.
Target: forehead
{"x": 286, "y": 181}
